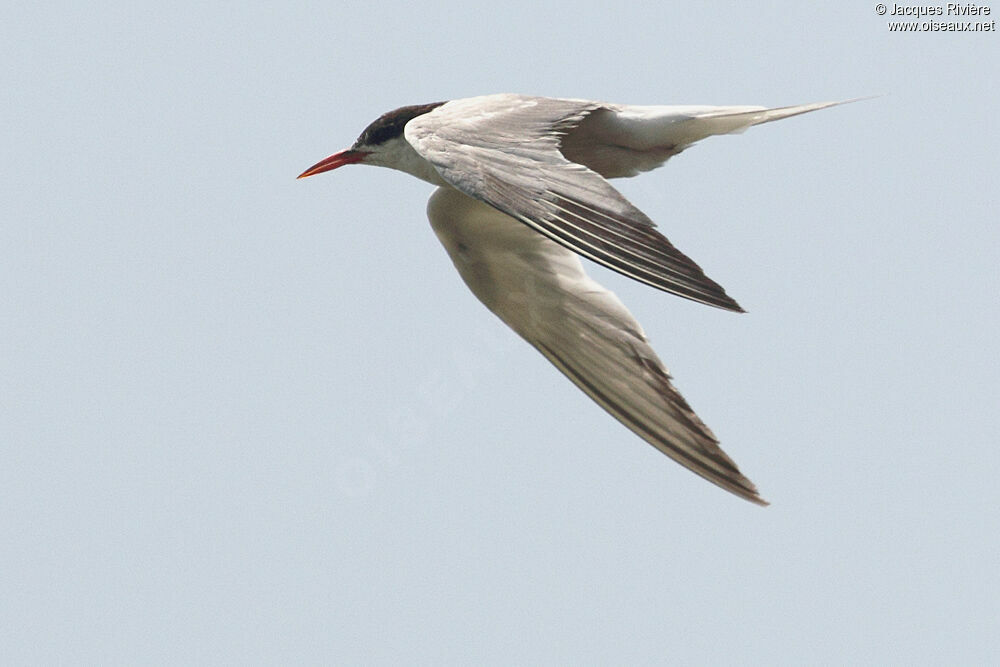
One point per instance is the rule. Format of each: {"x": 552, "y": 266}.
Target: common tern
{"x": 523, "y": 193}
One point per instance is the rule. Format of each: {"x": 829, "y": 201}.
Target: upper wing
{"x": 541, "y": 291}
{"x": 504, "y": 150}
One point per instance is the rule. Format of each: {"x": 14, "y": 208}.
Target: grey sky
{"x": 248, "y": 419}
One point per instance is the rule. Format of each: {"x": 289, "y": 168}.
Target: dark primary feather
{"x": 697, "y": 449}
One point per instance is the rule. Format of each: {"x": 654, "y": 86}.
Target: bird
{"x": 523, "y": 193}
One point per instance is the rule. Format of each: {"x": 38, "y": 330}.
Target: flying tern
{"x": 523, "y": 194}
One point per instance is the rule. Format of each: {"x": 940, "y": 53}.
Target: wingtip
{"x": 725, "y": 302}
{"x": 744, "y": 488}
{"x": 863, "y": 98}
{"x": 730, "y": 304}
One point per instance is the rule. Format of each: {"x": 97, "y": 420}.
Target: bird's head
{"x": 383, "y": 144}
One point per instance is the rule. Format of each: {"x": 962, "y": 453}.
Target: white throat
{"x": 397, "y": 153}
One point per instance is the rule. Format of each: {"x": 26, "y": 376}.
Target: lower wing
{"x": 540, "y": 290}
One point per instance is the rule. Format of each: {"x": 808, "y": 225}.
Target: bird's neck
{"x": 398, "y": 154}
